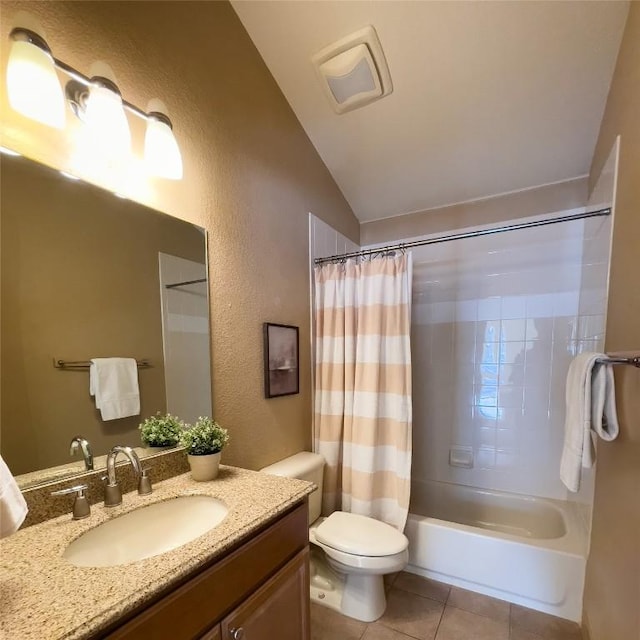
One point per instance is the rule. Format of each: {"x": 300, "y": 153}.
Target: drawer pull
{"x": 237, "y": 634}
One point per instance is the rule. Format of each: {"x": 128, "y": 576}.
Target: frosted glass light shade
{"x": 32, "y": 84}
{"x": 161, "y": 152}
{"x": 106, "y": 119}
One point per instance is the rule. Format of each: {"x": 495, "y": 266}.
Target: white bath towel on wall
{"x": 590, "y": 408}
{"x": 13, "y": 508}
{"x": 114, "y": 383}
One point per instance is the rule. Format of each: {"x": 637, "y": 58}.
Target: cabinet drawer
{"x": 191, "y": 609}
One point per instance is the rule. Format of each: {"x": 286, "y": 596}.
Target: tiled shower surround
{"x": 496, "y": 321}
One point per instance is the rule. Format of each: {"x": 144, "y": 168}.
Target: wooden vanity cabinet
{"x": 258, "y": 591}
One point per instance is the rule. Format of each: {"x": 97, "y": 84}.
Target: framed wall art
{"x": 281, "y": 360}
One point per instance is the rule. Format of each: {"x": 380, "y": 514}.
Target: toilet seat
{"x": 353, "y": 534}
{"x": 360, "y": 543}
{"x": 351, "y": 563}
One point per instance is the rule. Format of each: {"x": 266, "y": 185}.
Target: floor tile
{"x": 546, "y": 626}
{"x": 521, "y": 634}
{"x": 377, "y": 631}
{"x": 412, "y": 614}
{"x": 463, "y": 625}
{"x": 479, "y": 603}
{"x": 327, "y": 624}
{"x": 389, "y": 579}
{"x": 422, "y": 586}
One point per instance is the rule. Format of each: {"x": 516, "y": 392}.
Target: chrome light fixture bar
{"x": 34, "y": 91}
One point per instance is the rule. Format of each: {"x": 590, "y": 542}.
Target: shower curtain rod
{"x": 461, "y": 236}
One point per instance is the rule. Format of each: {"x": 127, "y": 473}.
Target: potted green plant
{"x": 203, "y": 443}
{"x": 161, "y": 431}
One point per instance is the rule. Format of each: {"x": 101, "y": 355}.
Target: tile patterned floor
{"x": 422, "y": 609}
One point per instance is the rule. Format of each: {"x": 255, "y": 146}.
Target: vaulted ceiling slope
{"x": 489, "y": 97}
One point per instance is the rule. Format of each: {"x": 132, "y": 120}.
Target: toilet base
{"x": 364, "y": 597}
{"x": 327, "y": 586}
{"x": 357, "y": 596}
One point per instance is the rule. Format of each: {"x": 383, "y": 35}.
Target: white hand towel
{"x": 13, "y": 508}
{"x": 604, "y": 416}
{"x": 114, "y": 383}
{"x": 590, "y": 397}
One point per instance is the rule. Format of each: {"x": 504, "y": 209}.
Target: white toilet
{"x": 350, "y": 553}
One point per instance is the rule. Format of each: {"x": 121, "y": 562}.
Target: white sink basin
{"x": 145, "y": 532}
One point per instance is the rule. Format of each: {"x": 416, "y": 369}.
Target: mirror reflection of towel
{"x": 114, "y": 383}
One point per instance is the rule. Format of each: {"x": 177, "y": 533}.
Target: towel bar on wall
{"x": 632, "y": 360}
{"x": 85, "y": 364}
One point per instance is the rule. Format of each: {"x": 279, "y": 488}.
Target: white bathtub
{"x": 530, "y": 551}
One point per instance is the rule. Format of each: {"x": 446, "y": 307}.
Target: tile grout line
{"x": 444, "y": 608}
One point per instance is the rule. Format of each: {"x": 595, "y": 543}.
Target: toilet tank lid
{"x": 360, "y": 536}
{"x": 296, "y": 465}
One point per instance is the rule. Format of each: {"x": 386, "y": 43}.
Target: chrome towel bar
{"x": 632, "y": 360}
{"x": 85, "y": 364}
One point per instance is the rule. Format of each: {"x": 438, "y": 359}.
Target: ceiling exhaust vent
{"x": 353, "y": 71}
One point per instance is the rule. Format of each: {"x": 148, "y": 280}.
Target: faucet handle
{"x": 81, "y": 507}
{"x": 144, "y": 483}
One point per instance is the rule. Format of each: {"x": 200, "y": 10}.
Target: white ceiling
{"x": 489, "y": 97}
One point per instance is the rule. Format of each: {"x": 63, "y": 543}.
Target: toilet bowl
{"x": 350, "y": 553}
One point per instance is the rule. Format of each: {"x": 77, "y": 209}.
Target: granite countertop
{"x": 43, "y": 596}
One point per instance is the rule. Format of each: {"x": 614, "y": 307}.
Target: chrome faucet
{"x": 83, "y": 444}
{"x": 112, "y": 493}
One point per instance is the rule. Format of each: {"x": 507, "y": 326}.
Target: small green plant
{"x": 205, "y": 437}
{"x": 161, "y": 430}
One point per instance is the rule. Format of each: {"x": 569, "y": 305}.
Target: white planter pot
{"x": 204, "y": 468}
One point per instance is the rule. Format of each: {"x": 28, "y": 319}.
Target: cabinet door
{"x": 279, "y": 609}
{"x": 213, "y": 634}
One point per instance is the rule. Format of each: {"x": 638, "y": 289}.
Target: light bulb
{"x": 161, "y": 152}
{"x": 105, "y": 118}
{"x": 32, "y": 83}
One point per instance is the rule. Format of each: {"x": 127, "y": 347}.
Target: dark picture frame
{"x": 281, "y": 360}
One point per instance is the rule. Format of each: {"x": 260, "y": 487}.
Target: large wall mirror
{"x": 86, "y": 274}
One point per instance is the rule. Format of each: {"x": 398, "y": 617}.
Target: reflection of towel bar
{"x": 85, "y": 364}
{"x": 186, "y": 282}
{"x": 632, "y": 360}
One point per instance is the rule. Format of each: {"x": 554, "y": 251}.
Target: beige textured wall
{"x": 541, "y": 200}
{"x": 612, "y": 592}
{"x": 251, "y": 177}
{"x": 79, "y": 279}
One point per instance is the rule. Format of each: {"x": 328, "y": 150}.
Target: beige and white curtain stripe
{"x": 363, "y": 385}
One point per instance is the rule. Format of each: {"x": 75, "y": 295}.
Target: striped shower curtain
{"x": 362, "y": 422}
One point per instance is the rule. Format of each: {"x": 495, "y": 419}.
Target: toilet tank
{"x": 304, "y": 466}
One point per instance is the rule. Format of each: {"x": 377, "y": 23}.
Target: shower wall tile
{"x": 490, "y": 308}
{"x": 501, "y": 318}
{"x": 325, "y": 241}
{"x": 514, "y": 307}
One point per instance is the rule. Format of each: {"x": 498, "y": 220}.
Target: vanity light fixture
{"x": 34, "y": 90}
{"x": 32, "y": 83}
